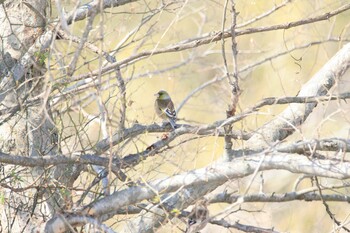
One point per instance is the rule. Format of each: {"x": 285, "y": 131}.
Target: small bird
{"x": 164, "y": 107}
{"x": 199, "y": 217}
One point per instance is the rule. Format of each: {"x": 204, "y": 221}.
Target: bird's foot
{"x": 167, "y": 124}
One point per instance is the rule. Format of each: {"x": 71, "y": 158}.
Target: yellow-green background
{"x": 282, "y": 76}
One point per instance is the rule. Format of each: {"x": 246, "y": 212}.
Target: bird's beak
{"x": 156, "y": 94}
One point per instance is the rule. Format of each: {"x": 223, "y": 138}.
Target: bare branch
{"x": 232, "y": 79}
{"x": 284, "y": 124}
{"x": 213, "y": 175}
{"x": 265, "y": 14}
{"x": 210, "y": 38}
{"x": 331, "y": 215}
{"x": 84, "y": 38}
{"x": 87, "y": 9}
{"x": 212, "y": 129}
{"x": 308, "y": 147}
{"x": 303, "y": 195}
{"x": 300, "y": 99}
{"x": 45, "y": 161}
{"x": 255, "y": 64}
{"x": 242, "y": 227}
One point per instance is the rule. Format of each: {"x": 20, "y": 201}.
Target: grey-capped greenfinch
{"x": 164, "y": 107}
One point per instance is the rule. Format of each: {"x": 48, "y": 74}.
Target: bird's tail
{"x": 172, "y": 122}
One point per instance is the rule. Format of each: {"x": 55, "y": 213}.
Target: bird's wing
{"x": 170, "y": 110}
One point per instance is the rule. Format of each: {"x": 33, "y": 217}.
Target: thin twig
{"x": 329, "y": 212}
{"x": 242, "y": 227}
{"x": 235, "y": 90}
{"x": 264, "y": 15}
{"x": 210, "y": 38}
{"x": 84, "y": 38}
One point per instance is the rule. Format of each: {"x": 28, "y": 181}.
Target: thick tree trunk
{"x": 30, "y": 131}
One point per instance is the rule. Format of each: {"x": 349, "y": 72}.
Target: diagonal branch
{"x": 208, "y": 39}
{"x": 284, "y": 124}
{"x": 208, "y": 177}
{"x": 87, "y": 9}
{"x": 242, "y": 227}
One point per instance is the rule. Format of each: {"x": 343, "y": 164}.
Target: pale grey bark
{"x": 295, "y": 114}
{"x": 30, "y": 132}
{"x": 271, "y": 132}
{"x": 190, "y": 185}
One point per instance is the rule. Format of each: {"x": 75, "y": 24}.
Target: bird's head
{"x": 162, "y": 95}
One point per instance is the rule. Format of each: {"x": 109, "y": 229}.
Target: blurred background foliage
{"x": 181, "y": 72}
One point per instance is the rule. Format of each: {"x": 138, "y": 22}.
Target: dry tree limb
{"x": 295, "y": 114}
